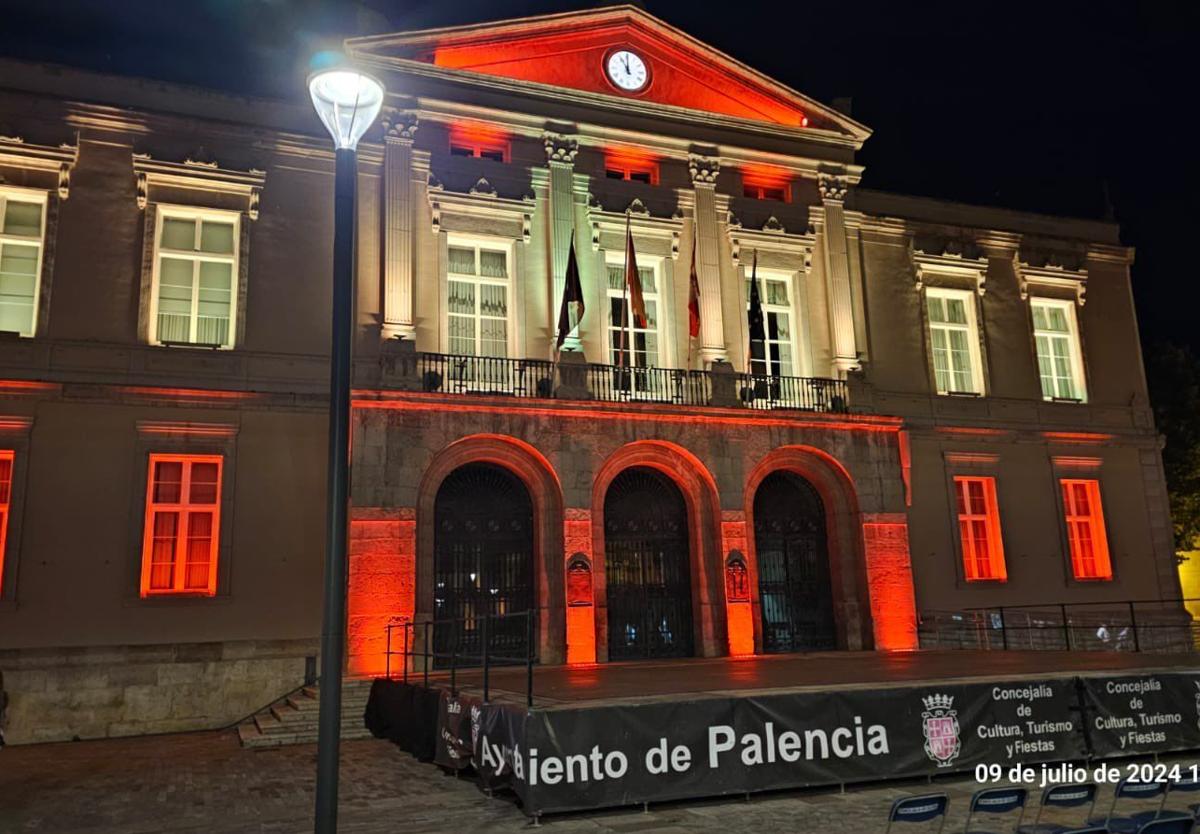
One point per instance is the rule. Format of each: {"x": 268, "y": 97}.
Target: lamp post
{"x": 348, "y": 103}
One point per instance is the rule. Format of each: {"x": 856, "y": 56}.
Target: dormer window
{"x": 756, "y": 191}
{"x": 496, "y": 153}
{"x": 646, "y": 173}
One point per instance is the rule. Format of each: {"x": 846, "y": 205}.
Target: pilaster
{"x": 837, "y": 273}
{"x": 707, "y": 226}
{"x": 560, "y": 157}
{"x": 400, "y": 183}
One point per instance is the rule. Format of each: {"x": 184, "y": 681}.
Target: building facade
{"x": 948, "y": 410}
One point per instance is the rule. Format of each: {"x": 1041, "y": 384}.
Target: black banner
{"x": 1149, "y": 713}
{"x": 566, "y": 758}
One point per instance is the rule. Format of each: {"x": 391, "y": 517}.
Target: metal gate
{"x": 483, "y": 563}
{"x": 646, "y": 556}
{"x": 793, "y": 565}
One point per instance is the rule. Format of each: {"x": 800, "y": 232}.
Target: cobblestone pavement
{"x": 207, "y": 782}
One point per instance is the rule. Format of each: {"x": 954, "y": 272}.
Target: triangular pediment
{"x": 570, "y": 50}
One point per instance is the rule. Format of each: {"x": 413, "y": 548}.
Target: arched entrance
{"x": 647, "y": 559}
{"x": 793, "y": 565}
{"x": 483, "y": 562}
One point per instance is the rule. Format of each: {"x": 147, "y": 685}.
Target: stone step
{"x": 295, "y": 718}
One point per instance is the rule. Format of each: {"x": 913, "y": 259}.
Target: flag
{"x": 694, "y": 298}
{"x": 634, "y": 281}
{"x": 572, "y": 294}
{"x": 758, "y": 331}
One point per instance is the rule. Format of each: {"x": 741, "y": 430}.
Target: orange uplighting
{"x": 889, "y": 579}
{"x": 739, "y": 612}
{"x": 628, "y": 411}
{"x": 581, "y": 611}
{"x": 581, "y": 635}
{"x": 6, "y": 471}
{"x": 1085, "y": 529}
{"x": 761, "y": 182}
{"x": 631, "y": 164}
{"x": 479, "y": 140}
{"x": 979, "y": 528}
{"x": 186, "y": 394}
{"x": 382, "y": 591}
{"x": 573, "y": 58}
{"x": 1083, "y": 437}
{"x": 27, "y": 386}
{"x": 183, "y": 525}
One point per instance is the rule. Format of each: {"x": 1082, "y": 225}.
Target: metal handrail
{"x": 485, "y": 656}
{"x": 1114, "y": 625}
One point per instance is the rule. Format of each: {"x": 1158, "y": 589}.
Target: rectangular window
{"x": 646, "y": 173}
{"x": 6, "y": 478}
{"x": 22, "y": 239}
{"x": 1085, "y": 529}
{"x": 183, "y": 512}
{"x": 641, "y": 345}
{"x": 777, "y": 356}
{"x": 478, "y": 306}
{"x": 195, "y": 277}
{"x": 765, "y": 192}
{"x": 979, "y": 528}
{"x": 1058, "y": 355}
{"x": 954, "y": 340}
{"x": 494, "y": 152}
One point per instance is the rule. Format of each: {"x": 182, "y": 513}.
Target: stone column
{"x": 707, "y": 230}
{"x": 560, "y": 156}
{"x": 837, "y": 274}
{"x": 398, "y": 223}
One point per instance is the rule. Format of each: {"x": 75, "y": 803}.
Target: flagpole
{"x": 624, "y": 296}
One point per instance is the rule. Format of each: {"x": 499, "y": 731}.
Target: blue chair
{"x": 1062, "y": 796}
{"x": 1134, "y": 791}
{"x": 995, "y": 801}
{"x": 1174, "y": 825}
{"x": 1186, "y": 786}
{"x": 916, "y": 809}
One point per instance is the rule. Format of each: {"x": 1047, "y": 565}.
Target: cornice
{"x": 198, "y": 176}
{"x": 481, "y": 201}
{"x": 1052, "y": 276}
{"x": 772, "y": 237}
{"x": 17, "y": 153}
{"x": 949, "y": 264}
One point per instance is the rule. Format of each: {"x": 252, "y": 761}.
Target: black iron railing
{"x": 1126, "y": 625}
{"x": 485, "y": 375}
{"x": 457, "y": 658}
{"x": 610, "y": 383}
{"x": 763, "y": 391}
{"x": 530, "y": 378}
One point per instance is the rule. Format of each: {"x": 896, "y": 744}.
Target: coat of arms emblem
{"x": 940, "y": 724}
{"x": 1197, "y": 702}
{"x": 476, "y": 718}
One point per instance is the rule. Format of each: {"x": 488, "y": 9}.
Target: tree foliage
{"x": 1173, "y": 375}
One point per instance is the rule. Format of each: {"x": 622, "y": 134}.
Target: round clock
{"x": 627, "y": 70}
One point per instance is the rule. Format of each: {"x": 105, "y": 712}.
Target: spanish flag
{"x": 572, "y": 295}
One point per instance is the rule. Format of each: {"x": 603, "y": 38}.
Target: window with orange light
{"x": 495, "y": 151}
{"x": 979, "y": 528}
{"x": 6, "y": 478}
{"x": 643, "y": 172}
{"x": 1085, "y": 529}
{"x": 757, "y": 189}
{"x": 183, "y": 514}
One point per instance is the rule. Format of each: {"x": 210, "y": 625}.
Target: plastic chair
{"x": 916, "y": 809}
{"x": 1063, "y": 796}
{"x": 995, "y": 801}
{"x": 1173, "y": 825}
{"x": 1136, "y": 791}
{"x": 1182, "y": 786}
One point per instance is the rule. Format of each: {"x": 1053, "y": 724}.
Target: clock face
{"x": 627, "y": 70}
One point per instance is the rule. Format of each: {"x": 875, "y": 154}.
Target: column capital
{"x": 704, "y": 169}
{"x": 832, "y": 187}
{"x": 399, "y": 125}
{"x": 560, "y": 148}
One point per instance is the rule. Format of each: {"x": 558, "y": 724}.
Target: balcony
{"x": 573, "y": 378}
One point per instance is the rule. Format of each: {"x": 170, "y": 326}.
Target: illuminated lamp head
{"x": 347, "y": 101}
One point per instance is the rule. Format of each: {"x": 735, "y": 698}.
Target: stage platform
{"x": 664, "y": 680}
{"x": 630, "y": 733}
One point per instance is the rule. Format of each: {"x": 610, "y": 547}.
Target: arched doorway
{"x": 483, "y": 563}
{"x": 793, "y": 565}
{"x": 646, "y": 558}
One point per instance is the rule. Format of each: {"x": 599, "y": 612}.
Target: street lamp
{"x": 348, "y": 103}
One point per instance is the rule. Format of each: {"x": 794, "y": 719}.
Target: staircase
{"x": 293, "y": 720}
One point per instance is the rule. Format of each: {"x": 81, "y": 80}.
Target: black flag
{"x": 572, "y": 294}
{"x": 758, "y": 331}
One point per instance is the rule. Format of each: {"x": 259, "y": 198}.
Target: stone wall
{"x": 107, "y": 691}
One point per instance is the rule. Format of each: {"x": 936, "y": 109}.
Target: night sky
{"x": 1039, "y": 106}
